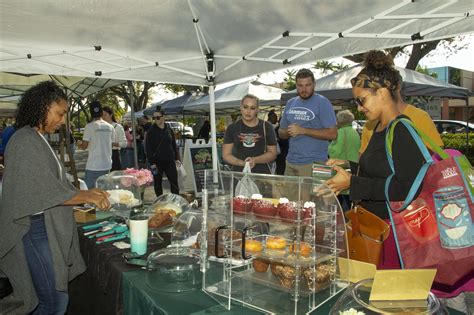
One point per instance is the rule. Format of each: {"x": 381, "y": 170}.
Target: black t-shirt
{"x": 160, "y": 145}
{"x": 369, "y": 186}
{"x": 250, "y": 142}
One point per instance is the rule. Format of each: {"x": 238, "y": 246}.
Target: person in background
{"x": 345, "y": 147}
{"x": 375, "y": 92}
{"x": 39, "y": 244}
{"x": 309, "y": 122}
{"x": 204, "y": 131}
{"x": 246, "y": 140}
{"x": 162, "y": 153}
{"x": 6, "y": 135}
{"x": 97, "y": 139}
{"x": 127, "y": 152}
{"x": 420, "y": 118}
{"x": 140, "y": 139}
{"x": 120, "y": 141}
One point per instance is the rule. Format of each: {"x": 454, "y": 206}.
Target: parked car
{"x": 452, "y": 126}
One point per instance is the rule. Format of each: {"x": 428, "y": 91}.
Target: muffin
{"x": 260, "y": 265}
{"x": 319, "y": 278}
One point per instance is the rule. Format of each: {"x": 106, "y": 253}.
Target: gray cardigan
{"x": 32, "y": 183}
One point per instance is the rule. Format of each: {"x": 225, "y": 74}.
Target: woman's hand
{"x": 341, "y": 181}
{"x": 98, "y": 197}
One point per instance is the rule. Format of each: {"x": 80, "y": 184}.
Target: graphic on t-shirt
{"x": 249, "y": 140}
{"x": 301, "y": 113}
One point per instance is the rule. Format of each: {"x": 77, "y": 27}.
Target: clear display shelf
{"x": 277, "y": 243}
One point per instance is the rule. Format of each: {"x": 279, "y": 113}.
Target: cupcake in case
{"x": 263, "y": 208}
{"x": 241, "y": 204}
{"x": 309, "y": 209}
{"x": 287, "y": 210}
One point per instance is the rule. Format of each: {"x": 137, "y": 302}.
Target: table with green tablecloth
{"x": 140, "y": 298}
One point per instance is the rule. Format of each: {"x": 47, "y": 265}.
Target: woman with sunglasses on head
{"x": 162, "y": 153}
{"x": 375, "y": 93}
{"x": 39, "y": 244}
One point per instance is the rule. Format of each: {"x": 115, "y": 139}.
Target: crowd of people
{"x": 38, "y": 231}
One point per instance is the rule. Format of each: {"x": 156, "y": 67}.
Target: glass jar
{"x": 355, "y": 301}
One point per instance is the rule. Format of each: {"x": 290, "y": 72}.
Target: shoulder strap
{"x": 422, "y": 172}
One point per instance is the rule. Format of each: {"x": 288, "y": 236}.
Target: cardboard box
{"x": 84, "y": 214}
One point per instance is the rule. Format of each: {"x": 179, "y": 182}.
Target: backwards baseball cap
{"x": 96, "y": 109}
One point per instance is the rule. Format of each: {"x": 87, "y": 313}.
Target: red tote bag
{"x": 436, "y": 230}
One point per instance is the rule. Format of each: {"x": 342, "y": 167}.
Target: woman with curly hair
{"x": 375, "y": 93}
{"x": 39, "y": 247}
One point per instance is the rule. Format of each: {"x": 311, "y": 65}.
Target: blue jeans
{"x": 91, "y": 177}
{"x": 40, "y": 263}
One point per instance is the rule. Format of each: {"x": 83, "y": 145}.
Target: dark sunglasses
{"x": 359, "y": 101}
{"x": 157, "y": 117}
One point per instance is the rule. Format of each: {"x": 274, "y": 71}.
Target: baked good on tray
{"x": 260, "y": 265}
{"x": 241, "y": 205}
{"x": 275, "y": 246}
{"x": 162, "y": 217}
{"x": 318, "y": 278}
{"x": 263, "y": 208}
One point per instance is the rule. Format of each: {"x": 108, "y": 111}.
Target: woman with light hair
{"x": 347, "y": 144}
{"x": 345, "y": 147}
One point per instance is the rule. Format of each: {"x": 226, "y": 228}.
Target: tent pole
{"x": 134, "y": 132}
{"x": 213, "y": 127}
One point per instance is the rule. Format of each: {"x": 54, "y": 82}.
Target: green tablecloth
{"x": 139, "y": 298}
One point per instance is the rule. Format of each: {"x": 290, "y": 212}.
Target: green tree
{"x": 418, "y": 51}
{"x": 140, "y": 94}
{"x": 290, "y": 79}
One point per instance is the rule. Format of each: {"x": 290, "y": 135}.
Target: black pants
{"x": 116, "y": 160}
{"x": 171, "y": 173}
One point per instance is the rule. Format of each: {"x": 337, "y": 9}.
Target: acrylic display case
{"x": 124, "y": 192}
{"x": 272, "y": 245}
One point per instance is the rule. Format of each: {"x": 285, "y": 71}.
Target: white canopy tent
{"x": 337, "y": 86}
{"x": 205, "y": 42}
{"x": 228, "y": 99}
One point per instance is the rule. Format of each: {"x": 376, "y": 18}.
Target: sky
{"x": 462, "y": 59}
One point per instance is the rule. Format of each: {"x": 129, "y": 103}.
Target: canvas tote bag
{"x": 435, "y": 230}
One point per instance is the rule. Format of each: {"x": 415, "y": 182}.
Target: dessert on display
{"x": 162, "y": 217}
{"x": 318, "y": 278}
{"x": 253, "y": 246}
{"x": 275, "y": 245}
{"x": 241, "y": 204}
{"x": 124, "y": 197}
{"x": 287, "y": 211}
{"x": 263, "y": 208}
{"x": 309, "y": 209}
{"x": 260, "y": 265}
{"x": 304, "y": 248}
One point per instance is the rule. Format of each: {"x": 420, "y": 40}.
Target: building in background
{"x": 456, "y": 109}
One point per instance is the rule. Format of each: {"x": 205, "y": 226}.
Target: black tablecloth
{"x": 98, "y": 290}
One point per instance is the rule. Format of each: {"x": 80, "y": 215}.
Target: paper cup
{"x": 138, "y": 234}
